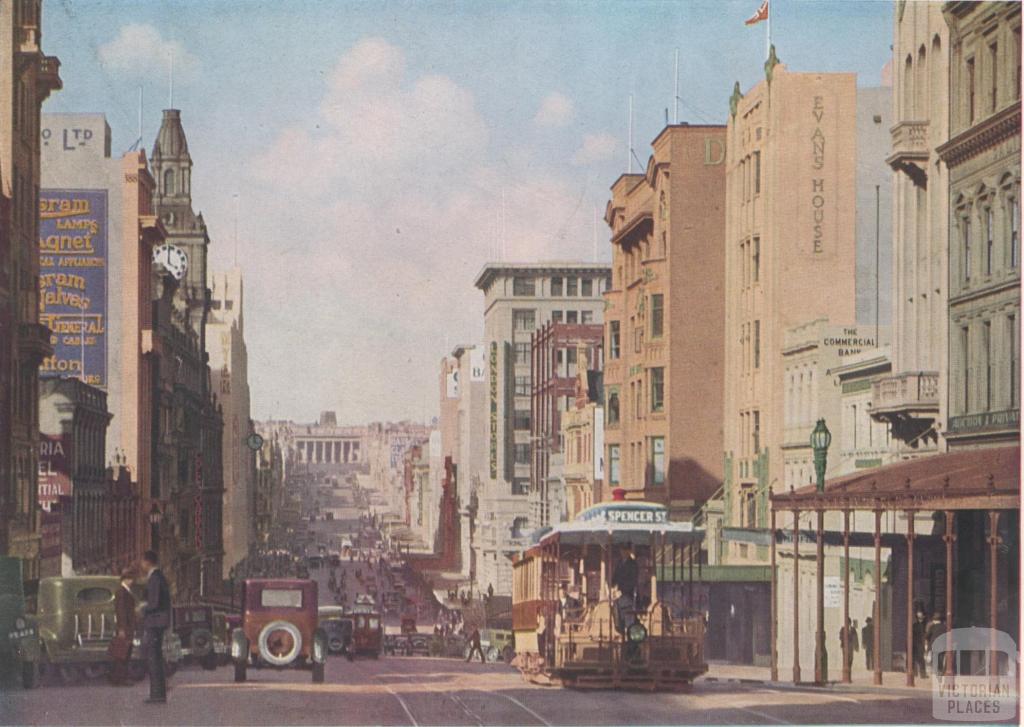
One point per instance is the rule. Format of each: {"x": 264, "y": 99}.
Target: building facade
{"x": 582, "y": 434}
{"x": 664, "y": 348}
{"x": 912, "y": 399}
{"x": 557, "y": 351}
{"x": 27, "y": 79}
{"x": 229, "y": 366}
{"x": 792, "y": 176}
{"x": 984, "y": 162}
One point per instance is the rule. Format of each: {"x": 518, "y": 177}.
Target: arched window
{"x": 169, "y": 181}
{"x": 908, "y": 89}
{"x": 613, "y": 407}
{"x": 920, "y": 86}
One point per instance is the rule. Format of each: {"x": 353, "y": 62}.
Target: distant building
{"x": 229, "y": 367}
{"x": 664, "y": 367}
{"x": 518, "y": 299}
{"x": 582, "y": 438}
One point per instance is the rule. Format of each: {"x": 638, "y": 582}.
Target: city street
{"x": 425, "y": 691}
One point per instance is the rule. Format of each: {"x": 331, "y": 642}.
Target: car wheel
{"x": 29, "y": 675}
{"x": 94, "y": 671}
{"x": 240, "y": 671}
{"x": 318, "y": 673}
{"x": 508, "y": 654}
{"x": 209, "y": 662}
{"x": 68, "y": 673}
{"x": 492, "y": 653}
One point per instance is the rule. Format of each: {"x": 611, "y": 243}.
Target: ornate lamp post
{"x": 821, "y": 438}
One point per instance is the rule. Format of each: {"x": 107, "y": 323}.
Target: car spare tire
{"x": 280, "y": 643}
{"x": 201, "y": 643}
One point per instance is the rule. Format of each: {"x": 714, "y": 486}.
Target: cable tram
{"x": 586, "y": 607}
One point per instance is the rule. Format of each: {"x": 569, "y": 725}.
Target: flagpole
{"x": 768, "y": 39}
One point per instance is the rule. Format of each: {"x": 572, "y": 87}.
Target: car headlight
{"x": 19, "y": 623}
{"x": 637, "y": 633}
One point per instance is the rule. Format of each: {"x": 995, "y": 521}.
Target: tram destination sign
{"x": 629, "y": 515}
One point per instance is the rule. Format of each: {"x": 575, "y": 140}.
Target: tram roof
{"x": 622, "y": 521}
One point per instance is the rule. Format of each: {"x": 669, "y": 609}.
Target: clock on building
{"x": 172, "y": 258}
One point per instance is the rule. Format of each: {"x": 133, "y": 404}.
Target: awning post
{"x": 847, "y": 655}
{"x": 993, "y": 594}
{"x": 949, "y": 538}
{"x": 775, "y": 613}
{"x": 796, "y": 596}
{"x": 878, "y": 597}
{"x": 911, "y": 663}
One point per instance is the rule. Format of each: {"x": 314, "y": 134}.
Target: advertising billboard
{"x": 73, "y": 249}
{"x": 54, "y": 468}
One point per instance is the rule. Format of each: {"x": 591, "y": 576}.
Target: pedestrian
{"x": 626, "y": 575}
{"x": 935, "y": 628}
{"x": 120, "y": 649}
{"x": 156, "y": 618}
{"x": 917, "y": 641}
{"x": 867, "y": 637}
{"x": 852, "y": 646}
{"x": 475, "y": 647}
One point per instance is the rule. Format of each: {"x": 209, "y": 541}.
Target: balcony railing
{"x": 908, "y": 390}
{"x": 910, "y": 149}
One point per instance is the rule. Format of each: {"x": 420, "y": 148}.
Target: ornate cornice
{"x": 982, "y": 136}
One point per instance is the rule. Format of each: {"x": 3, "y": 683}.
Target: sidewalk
{"x": 862, "y": 679}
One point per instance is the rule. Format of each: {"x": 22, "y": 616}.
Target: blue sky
{"x": 370, "y": 145}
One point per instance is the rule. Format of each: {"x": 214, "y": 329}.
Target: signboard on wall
{"x": 833, "y": 592}
{"x": 477, "y": 364}
{"x": 73, "y": 282}
{"x": 54, "y": 469}
{"x": 452, "y": 384}
{"x": 494, "y": 410}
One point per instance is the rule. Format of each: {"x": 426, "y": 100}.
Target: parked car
{"x": 496, "y": 644}
{"x": 280, "y": 628}
{"x": 76, "y": 621}
{"x": 19, "y": 638}
{"x": 367, "y": 631}
{"x": 194, "y": 626}
{"x": 338, "y": 627}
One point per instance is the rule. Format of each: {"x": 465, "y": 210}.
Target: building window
{"x": 1013, "y": 338}
{"x": 613, "y": 339}
{"x": 522, "y": 386}
{"x": 965, "y": 353}
{"x": 613, "y": 464}
{"x": 755, "y": 264}
{"x": 1016, "y": 54}
{"x": 638, "y": 339}
{"x": 1014, "y": 232}
{"x": 521, "y": 420}
{"x": 587, "y": 287}
{"x": 757, "y": 344}
{"x": 572, "y": 286}
{"x": 523, "y": 286}
{"x": 571, "y": 316}
{"x": 755, "y": 433}
{"x": 657, "y": 445}
{"x": 520, "y": 486}
{"x": 658, "y": 389}
{"x": 169, "y": 181}
{"x": 986, "y": 351}
{"x": 657, "y": 315}
{"x": 993, "y": 61}
{"x": 586, "y": 317}
{"x": 757, "y": 172}
{"x": 970, "y": 90}
{"x": 522, "y": 454}
{"x": 613, "y": 406}
{"x": 556, "y": 286}
{"x": 523, "y": 353}
{"x": 523, "y": 320}
{"x": 988, "y": 240}
{"x": 556, "y": 316}
{"x": 966, "y": 233}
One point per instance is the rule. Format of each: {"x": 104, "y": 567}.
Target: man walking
{"x": 120, "y": 649}
{"x": 867, "y": 637}
{"x": 156, "y": 618}
{"x": 475, "y": 647}
{"x": 918, "y": 644}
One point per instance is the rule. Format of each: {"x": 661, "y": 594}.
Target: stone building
{"x": 664, "y": 367}
{"x": 518, "y": 299}
{"x": 582, "y": 435}
{"x": 984, "y": 163}
{"x": 27, "y": 79}
{"x": 229, "y": 367}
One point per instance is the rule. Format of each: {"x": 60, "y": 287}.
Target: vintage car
{"x": 367, "y": 629}
{"x": 338, "y": 627}
{"x": 19, "y": 642}
{"x": 76, "y": 621}
{"x": 194, "y": 626}
{"x": 497, "y": 644}
{"x": 280, "y": 628}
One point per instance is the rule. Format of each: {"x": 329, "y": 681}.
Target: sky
{"x": 373, "y": 156}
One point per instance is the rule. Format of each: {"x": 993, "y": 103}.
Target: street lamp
{"x": 821, "y": 438}
{"x": 231, "y": 578}
{"x": 155, "y": 516}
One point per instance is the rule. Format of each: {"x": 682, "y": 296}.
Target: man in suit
{"x": 156, "y": 618}
{"x": 121, "y": 646}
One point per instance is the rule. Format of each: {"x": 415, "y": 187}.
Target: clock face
{"x": 254, "y": 441}
{"x": 172, "y": 258}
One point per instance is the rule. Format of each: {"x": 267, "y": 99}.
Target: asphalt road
{"x": 424, "y": 691}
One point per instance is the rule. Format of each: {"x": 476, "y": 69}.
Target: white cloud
{"x": 596, "y": 148}
{"x": 556, "y": 110}
{"x": 140, "y": 51}
{"x": 374, "y": 220}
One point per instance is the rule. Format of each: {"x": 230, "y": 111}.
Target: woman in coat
{"x": 121, "y": 646}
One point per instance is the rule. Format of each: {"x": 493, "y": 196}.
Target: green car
{"x": 19, "y": 644}
{"x": 76, "y": 622}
